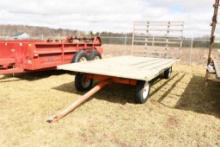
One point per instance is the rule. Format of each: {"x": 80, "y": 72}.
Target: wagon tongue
{"x": 78, "y": 102}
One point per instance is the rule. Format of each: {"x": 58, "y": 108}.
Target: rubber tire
{"x": 139, "y": 98}
{"x": 79, "y": 78}
{"x": 167, "y": 73}
{"x": 94, "y": 54}
{"x": 79, "y": 55}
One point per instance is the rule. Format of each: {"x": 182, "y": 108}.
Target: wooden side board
{"x": 130, "y": 67}
{"x": 217, "y": 67}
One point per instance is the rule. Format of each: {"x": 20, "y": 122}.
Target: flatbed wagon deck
{"x": 130, "y": 67}
{"x": 130, "y": 70}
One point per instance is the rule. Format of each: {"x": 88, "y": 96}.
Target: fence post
{"x": 126, "y": 37}
{"x": 133, "y": 36}
{"x": 191, "y": 47}
{"x": 153, "y": 41}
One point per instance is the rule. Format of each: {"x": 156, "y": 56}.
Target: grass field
{"x": 180, "y": 112}
{"x": 186, "y": 55}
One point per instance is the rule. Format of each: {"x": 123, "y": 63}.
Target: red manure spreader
{"x": 21, "y": 56}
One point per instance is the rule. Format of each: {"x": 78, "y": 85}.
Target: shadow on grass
{"x": 164, "y": 84}
{"x": 168, "y": 91}
{"x": 114, "y": 93}
{"x": 200, "y": 98}
{"x": 31, "y": 76}
{"x": 196, "y": 96}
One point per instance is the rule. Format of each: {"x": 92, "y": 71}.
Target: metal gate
{"x": 157, "y": 38}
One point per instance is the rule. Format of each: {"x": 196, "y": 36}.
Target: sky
{"x": 107, "y": 15}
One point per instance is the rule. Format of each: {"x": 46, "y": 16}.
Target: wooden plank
{"x": 130, "y": 67}
{"x": 217, "y": 67}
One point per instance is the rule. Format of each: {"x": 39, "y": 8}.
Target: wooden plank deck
{"x": 130, "y": 67}
{"x": 217, "y": 67}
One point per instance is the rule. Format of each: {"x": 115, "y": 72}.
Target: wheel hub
{"x": 83, "y": 59}
{"x": 97, "y": 58}
{"x": 86, "y": 82}
{"x": 146, "y": 90}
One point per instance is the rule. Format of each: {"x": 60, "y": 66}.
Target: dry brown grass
{"x": 180, "y": 112}
{"x": 198, "y": 55}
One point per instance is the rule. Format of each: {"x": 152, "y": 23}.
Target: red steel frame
{"x": 117, "y": 80}
{"x": 18, "y": 56}
{"x": 102, "y": 82}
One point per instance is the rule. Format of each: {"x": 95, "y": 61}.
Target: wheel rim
{"x": 170, "y": 71}
{"x": 146, "y": 90}
{"x": 83, "y": 59}
{"x": 97, "y": 58}
{"x": 85, "y": 82}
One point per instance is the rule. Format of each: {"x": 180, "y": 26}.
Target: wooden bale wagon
{"x": 129, "y": 70}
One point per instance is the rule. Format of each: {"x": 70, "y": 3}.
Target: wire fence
{"x": 127, "y": 40}
{"x": 193, "y": 51}
{"x": 187, "y": 42}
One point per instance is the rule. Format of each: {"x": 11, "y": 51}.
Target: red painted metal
{"x": 78, "y": 102}
{"x": 102, "y": 82}
{"x": 113, "y": 79}
{"x": 18, "y": 56}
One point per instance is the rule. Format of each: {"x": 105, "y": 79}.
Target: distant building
{"x": 21, "y": 36}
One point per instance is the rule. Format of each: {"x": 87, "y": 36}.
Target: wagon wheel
{"x": 142, "y": 92}
{"x": 168, "y": 73}
{"x": 82, "y": 83}
{"x": 80, "y": 57}
{"x": 94, "y": 55}
{"x": 83, "y": 59}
